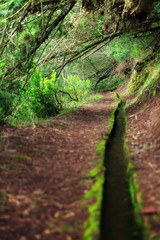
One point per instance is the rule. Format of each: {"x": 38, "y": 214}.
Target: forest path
{"x": 44, "y": 170}
{"x": 45, "y": 173}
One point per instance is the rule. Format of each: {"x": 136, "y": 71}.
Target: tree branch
{"x": 17, "y": 11}
{"x": 153, "y": 39}
{"x": 105, "y": 74}
{"x": 87, "y": 49}
{"x": 45, "y": 35}
{"x": 69, "y": 95}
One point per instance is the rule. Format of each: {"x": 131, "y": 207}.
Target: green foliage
{"x": 7, "y": 98}
{"x": 44, "y": 97}
{"x": 109, "y": 83}
{"x": 91, "y": 24}
{"x": 117, "y": 51}
{"x": 147, "y": 79}
{"x": 156, "y": 8}
{"x": 76, "y": 87}
{"x": 95, "y": 97}
{"x": 35, "y": 100}
{"x": 125, "y": 47}
{"x": 22, "y": 42}
{"x": 42, "y": 92}
{"x": 135, "y": 190}
{"x": 10, "y": 7}
{"x": 137, "y": 82}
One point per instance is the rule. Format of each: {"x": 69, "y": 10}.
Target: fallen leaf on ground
{"x": 68, "y": 215}
{"x": 13, "y": 199}
{"x": 68, "y": 238}
{"x": 37, "y": 236}
{"x": 47, "y": 232}
{"x": 57, "y": 214}
{"x": 22, "y": 238}
{"x": 6, "y": 216}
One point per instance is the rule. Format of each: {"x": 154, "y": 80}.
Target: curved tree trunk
{"x": 139, "y": 7}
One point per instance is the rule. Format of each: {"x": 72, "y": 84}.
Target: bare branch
{"x": 95, "y": 51}
{"x": 87, "y": 49}
{"x": 24, "y": 6}
{"x": 105, "y": 74}
{"x": 45, "y": 35}
{"x": 153, "y": 39}
{"x": 76, "y": 100}
{"x": 42, "y": 13}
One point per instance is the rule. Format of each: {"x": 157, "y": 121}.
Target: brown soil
{"x": 143, "y": 141}
{"x": 45, "y": 169}
{"x": 45, "y": 173}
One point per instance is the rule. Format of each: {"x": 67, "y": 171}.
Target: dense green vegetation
{"x": 54, "y": 53}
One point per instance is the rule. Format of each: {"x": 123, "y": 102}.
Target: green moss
{"x": 3, "y": 199}
{"x": 148, "y": 80}
{"x": 96, "y": 193}
{"x": 112, "y": 117}
{"x": 134, "y": 188}
{"x": 137, "y": 201}
{"x": 110, "y": 83}
{"x": 68, "y": 228}
{"x": 3, "y": 167}
{"x": 95, "y": 97}
{"x": 92, "y": 225}
{"x": 21, "y": 157}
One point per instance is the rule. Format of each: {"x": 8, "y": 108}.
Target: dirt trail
{"x": 44, "y": 173}
{"x": 44, "y": 170}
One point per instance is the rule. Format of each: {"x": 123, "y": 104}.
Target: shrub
{"x": 45, "y": 97}
{"x": 73, "y": 89}
{"x": 109, "y": 83}
{"x": 42, "y": 95}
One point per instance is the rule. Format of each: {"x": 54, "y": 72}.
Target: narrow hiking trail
{"x": 44, "y": 170}
{"x": 44, "y": 173}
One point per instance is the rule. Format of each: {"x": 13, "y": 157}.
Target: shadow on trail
{"x": 87, "y": 115}
{"x": 117, "y": 218}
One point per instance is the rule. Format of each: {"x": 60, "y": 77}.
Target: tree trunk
{"x": 140, "y": 8}
{"x": 91, "y": 4}
{"x": 106, "y": 74}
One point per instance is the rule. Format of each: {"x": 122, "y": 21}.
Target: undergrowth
{"x": 92, "y": 225}
{"x": 43, "y": 97}
{"x": 147, "y": 82}
{"x": 135, "y": 191}
{"x": 110, "y": 83}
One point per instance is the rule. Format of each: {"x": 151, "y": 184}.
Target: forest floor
{"x": 143, "y": 142}
{"x": 45, "y": 173}
{"x": 44, "y": 169}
